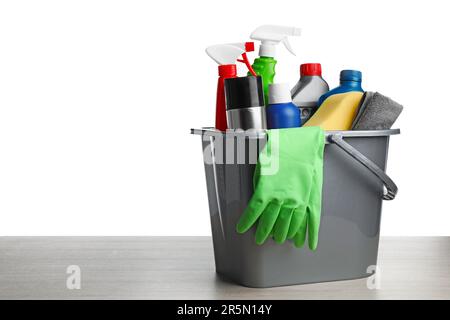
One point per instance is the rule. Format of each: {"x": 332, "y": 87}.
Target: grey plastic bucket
{"x": 354, "y": 186}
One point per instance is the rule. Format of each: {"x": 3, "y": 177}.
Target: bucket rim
{"x": 262, "y": 133}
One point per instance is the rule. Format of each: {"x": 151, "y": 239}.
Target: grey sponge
{"x": 376, "y": 112}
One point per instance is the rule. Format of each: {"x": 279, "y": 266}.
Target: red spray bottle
{"x": 226, "y": 56}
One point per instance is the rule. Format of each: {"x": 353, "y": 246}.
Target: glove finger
{"x": 314, "y": 211}
{"x": 267, "y": 221}
{"x": 253, "y": 211}
{"x": 297, "y": 217}
{"x": 300, "y": 237}
{"x": 282, "y": 224}
{"x": 313, "y": 229}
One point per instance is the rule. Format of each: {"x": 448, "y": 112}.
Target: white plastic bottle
{"x": 309, "y": 89}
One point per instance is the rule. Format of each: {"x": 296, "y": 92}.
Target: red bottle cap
{"x": 227, "y": 71}
{"x": 249, "y": 46}
{"x": 311, "y": 69}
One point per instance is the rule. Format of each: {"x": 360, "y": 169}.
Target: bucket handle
{"x": 391, "y": 187}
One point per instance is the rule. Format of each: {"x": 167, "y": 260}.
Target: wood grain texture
{"x": 183, "y": 268}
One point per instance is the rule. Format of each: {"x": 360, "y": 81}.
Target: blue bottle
{"x": 281, "y": 112}
{"x": 350, "y": 80}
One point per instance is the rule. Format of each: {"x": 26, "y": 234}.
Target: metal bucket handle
{"x": 337, "y": 138}
{"x": 391, "y": 187}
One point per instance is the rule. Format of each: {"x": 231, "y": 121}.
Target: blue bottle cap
{"x": 351, "y": 75}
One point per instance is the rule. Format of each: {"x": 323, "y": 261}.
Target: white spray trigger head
{"x": 271, "y": 35}
{"x": 224, "y": 53}
{"x": 229, "y": 53}
{"x": 287, "y": 44}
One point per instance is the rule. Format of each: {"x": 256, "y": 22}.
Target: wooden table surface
{"x": 183, "y": 268}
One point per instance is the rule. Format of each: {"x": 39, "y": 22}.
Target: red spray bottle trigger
{"x": 249, "y": 47}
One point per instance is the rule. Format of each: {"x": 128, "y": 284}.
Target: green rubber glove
{"x": 283, "y": 181}
{"x": 311, "y": 219}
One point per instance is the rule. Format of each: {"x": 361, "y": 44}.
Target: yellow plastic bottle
{"x": 337, "y": 112}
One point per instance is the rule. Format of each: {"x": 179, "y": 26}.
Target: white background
{"x": 97, "y": 99}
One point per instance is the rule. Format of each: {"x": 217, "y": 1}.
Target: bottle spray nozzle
{"x": 225, "y": 54}
{"x": 271, "y": 35}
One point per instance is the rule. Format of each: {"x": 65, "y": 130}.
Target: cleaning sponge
{"x": 337, "y": 112}
{"x": 376, "y": 112}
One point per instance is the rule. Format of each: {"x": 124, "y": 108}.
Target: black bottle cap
{"x": 244, "y": 92}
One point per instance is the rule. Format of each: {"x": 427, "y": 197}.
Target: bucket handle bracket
{"x": 391, "y": 187}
